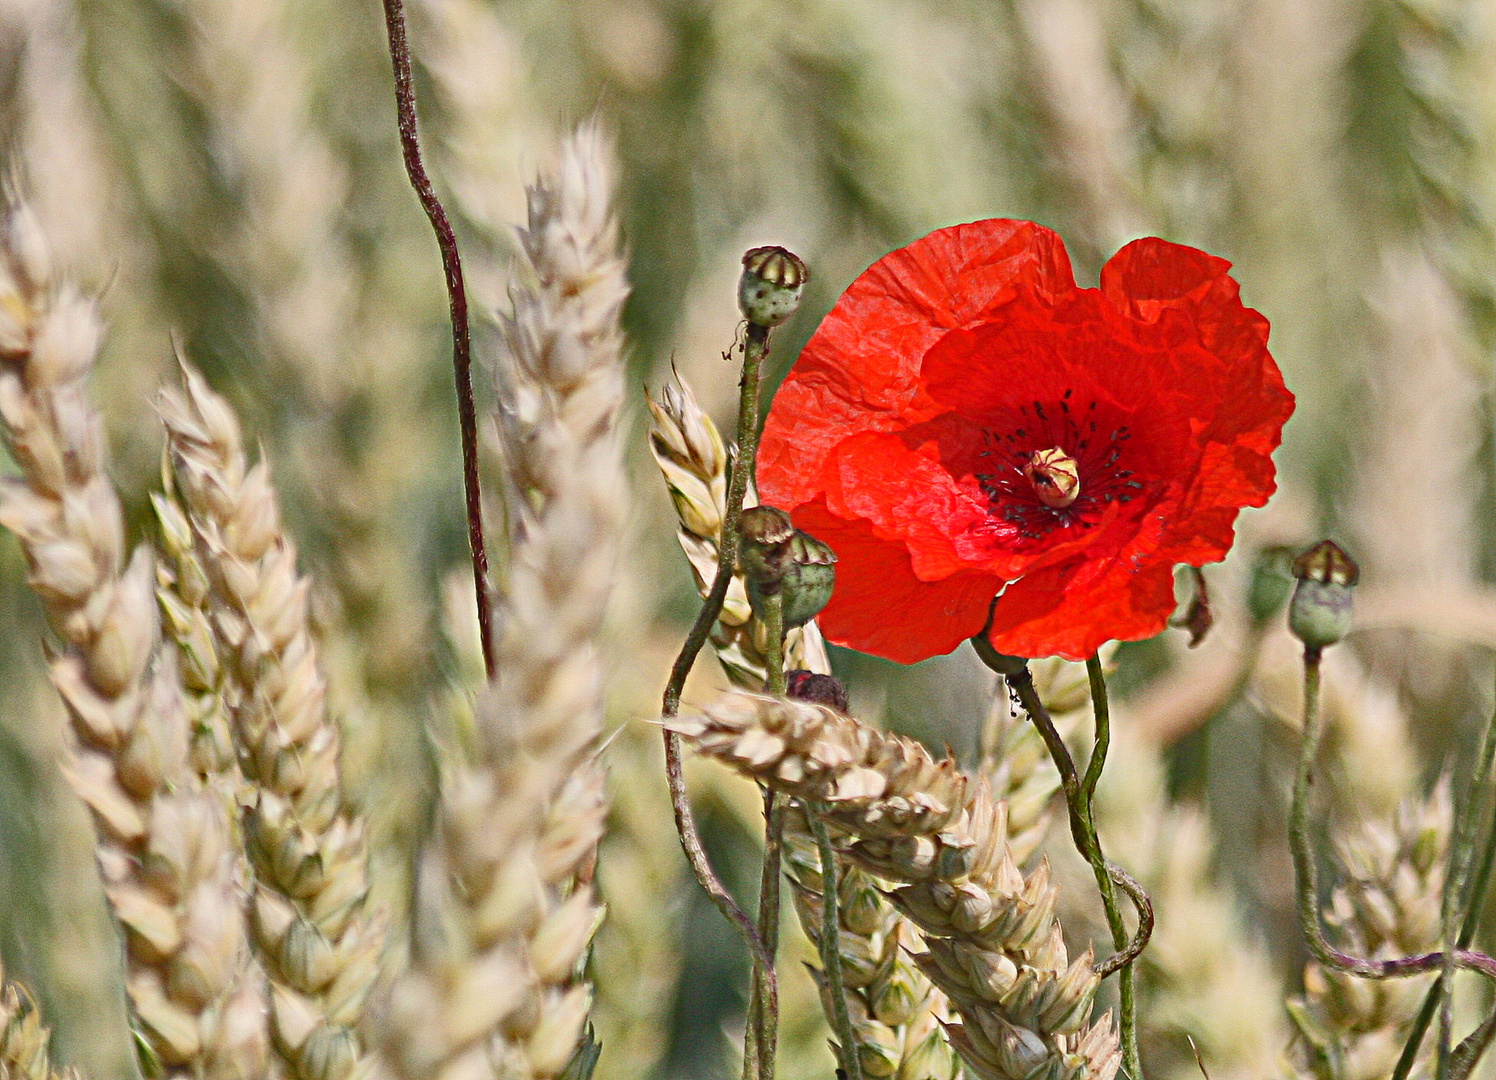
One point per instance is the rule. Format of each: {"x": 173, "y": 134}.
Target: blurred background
{"x": 226, "y": 173}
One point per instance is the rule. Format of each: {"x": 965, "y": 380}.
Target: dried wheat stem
{"x": 994, "y": 945}
{"x": 165, "y": 845}
{"x": 497, "y": 986}
{"x": 319, "y": 945}
{"x": 25, "y": 1043}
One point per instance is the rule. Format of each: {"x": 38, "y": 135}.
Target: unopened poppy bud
{"x": 764, "y": 552}
{"x": 1320, "y": 612}
{"x": 812, "y": 686}
{"x": 769, "y": 290}
{"x": 809, "y": 576}
{"x": 1272, "y": 579}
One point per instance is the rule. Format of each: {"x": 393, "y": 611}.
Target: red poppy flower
{"x": 967, "y": 423}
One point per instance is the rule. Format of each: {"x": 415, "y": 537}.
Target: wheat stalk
{"x": 165, "y": 842}
{"x": 496, "y": 986}
{"x": 994, "y": 944}
{"x": 319, "y": 945}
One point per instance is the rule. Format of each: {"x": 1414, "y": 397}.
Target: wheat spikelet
{"x": 166, "y": 846}
{"x": 24, "y": 1041}
{"x": 320, "y": 947}
{"x": 693, "y": 459}
{"x": 994, "y": 946}
{"x": 496, "y": 987}
{"x": 1386, "y": 904}
{"x": 895, "y": 1007}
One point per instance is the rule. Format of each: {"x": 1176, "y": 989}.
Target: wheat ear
{"x": 1386, "y": 904}
{"x": 165, "y": 842}
{"x": 496, "y": 987}
{"x": 319, "y": 945}
{"x": 995, "y": 947}
{"x": 25, "y": 1043}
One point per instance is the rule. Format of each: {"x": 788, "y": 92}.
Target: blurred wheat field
{"x": 226, "y": 174}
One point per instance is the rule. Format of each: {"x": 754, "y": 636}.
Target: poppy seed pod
{"x": 770, "y": 288}
{"x": 808, "y": 577}
{"x": 764, "y": 551}
{"x": 1320, "y": 612}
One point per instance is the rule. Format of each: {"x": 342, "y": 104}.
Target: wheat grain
{"x": 25, "y": 1051}
{"x": 994, "y": 946}
{"x": 166, "y": 846}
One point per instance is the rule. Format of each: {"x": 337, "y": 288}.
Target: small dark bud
{"x": 764, "y": 553}
{"x": 811, "y": 686}
{"x": 769, "y": 290}
{"x": 1320, "y": 612}
{"x": 1272, "y": 581}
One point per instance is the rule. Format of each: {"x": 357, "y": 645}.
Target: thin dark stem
{"x": 1128, "y": 1024}
{"x": 462, "y": 350}
{"x": 1307, "y": 873}
{"x": 754, "y": 350}
{"x": 1472, "y": 818}
{"x": 851, "y": 1060}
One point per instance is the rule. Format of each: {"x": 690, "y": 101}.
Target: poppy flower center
{"x": 1055, "y": 476}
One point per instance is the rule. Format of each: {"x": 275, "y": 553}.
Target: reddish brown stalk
{"x": 462, "y": 349}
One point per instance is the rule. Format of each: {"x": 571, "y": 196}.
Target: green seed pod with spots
{"x": 809, "y": 576}
{"x": 770, "y": 288}
{"x": 1320, "y": 612}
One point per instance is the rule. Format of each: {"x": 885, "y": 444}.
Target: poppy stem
{"x": 1306, "y": 871}
{"x": 846, "y": 1035}
{"x": 1472, "y": 823}
{"x": 755, "y": 348}
{"x": 1128, "y": 1023}
{"x": 762, "y": 1033}
{"x": 462, "y": 350}
{"x": 1087, "y": 842}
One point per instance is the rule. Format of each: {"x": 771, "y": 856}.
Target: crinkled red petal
{"x": 879, "y": 606}
{"x": 1049, "y": 614}
{"x": 860, "y": 369}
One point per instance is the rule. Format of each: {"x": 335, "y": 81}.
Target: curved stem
{"x": 754, "y": 350}
{"x": 851, "y": 1060}
{"x": 1307, "y": 873}
{"x": 1083, "y": 833}
{"x": 1128, "y": 1021}
{"x": 462, "y": 351}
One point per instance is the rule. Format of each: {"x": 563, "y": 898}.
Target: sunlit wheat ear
{"x": 1387, "y": 903}
{"x": 994, "y": 945}
{"x": 692, "y": 458}
{"x": 319, "y": 944}
{"x": 508, "y": 908}
{"x": 25, "y": 1042}
{"x": 166, "y": 845}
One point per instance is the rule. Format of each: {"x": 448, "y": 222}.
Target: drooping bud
{"x": 1055, "y": 476}
{"x": 1272, "y": 579}
{"x": 769, "y": 290}
{"x": 805, "y": 685}
{"x": 1320, "y": 612}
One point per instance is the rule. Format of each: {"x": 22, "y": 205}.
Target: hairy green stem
{"x": 1468, "y": 895}
{"x": 762, "y": 1034}
{"x": 754, "y": 350}
{"x": 851, "y": 1061}
{"x": 1128, "y": 1025}
{"x": 1307, "y": 873}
